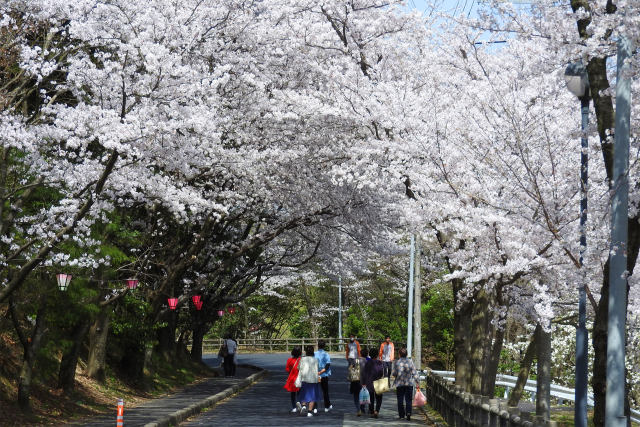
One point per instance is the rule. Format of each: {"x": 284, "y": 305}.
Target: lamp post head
{"x": 577, "y": 79}
{"x": 63, "y": 281}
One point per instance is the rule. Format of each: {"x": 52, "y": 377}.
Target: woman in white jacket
{"x": 309, "y": 392}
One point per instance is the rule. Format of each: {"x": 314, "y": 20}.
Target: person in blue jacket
{"x": 324, "y": 372}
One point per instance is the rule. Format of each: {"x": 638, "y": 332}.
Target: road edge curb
{"x": 177, "y": 417}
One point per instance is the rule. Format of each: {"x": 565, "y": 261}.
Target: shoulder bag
{"x": 381, "y": 385}
{"x": 353, "y": 372}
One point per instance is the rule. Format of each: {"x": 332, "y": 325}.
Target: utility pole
{"x": 410, "y": 304}
{"x": 616, "y": 331}
{"x": 340, "y": 313}
{"x": 417, "y": 307}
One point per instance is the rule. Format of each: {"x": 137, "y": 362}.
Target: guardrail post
{"x": 484, "y": 406}
{"x": 514, "y": 416}
{"x": 440, "y": 396}
{"x": 477, "y": 410}
{"x": 455, "y": 405}
{"x": 444, "y": 400}
{"x": 494, "y": 413}
{"x": 464, "y": 406}
{"x": 503, "y": 414}
{"x": 466, "y": 409}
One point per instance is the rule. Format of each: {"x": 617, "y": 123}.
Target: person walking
{"x": 373, "y": 370}
{"x": 292, "y": 368}
{"x": 406, "y": 377}
{"x": 309, "y": 392}
{"x": 353, "y": 349}
{"x": 387, "y": 351}
{"x": 356, "y": 379}
{"x": 324, "y": 366}
{"x": 230, "y": 357}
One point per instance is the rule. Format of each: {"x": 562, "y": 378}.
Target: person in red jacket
{"x": 353, "y": 349}
{"x": 292, "y": 367}
{"x": 386, "y": 352}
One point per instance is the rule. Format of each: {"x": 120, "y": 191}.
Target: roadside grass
{"x": 50, "y": 406}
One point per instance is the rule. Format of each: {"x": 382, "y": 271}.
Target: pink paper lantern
{"x": 198, "y": 305}
{"x": 132, "y": 283}
{"x": 173, "y": 303}
{"x": 220, "y": 313}
{"x": 196, "y": 299}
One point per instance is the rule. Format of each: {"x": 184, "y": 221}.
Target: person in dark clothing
{"x": 373, "y": 370}
{"x": 356, "y": 385}
{"x": 230, "y": 357}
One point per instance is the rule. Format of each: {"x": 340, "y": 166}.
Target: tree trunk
{"x": 479, "y": 323}
{"x": 148, "y": 358}
{"x": 182, "y": 353}
{"x": 133, "y": 362}
{"x": 525, "y": 368}
{"x": 167, "y": 337}
{"x": 543, "y": 383}
{"x": 69, "y": 362}
{"x": 492, "y": 358}
{"x": 599, "y": 339}
{"x": 196, "y": 342}
{"x": 492, "y": 362}
{"x": 30, "y": 351}
{"x": 461, "y": 338}
{"x": 98, "y": 345}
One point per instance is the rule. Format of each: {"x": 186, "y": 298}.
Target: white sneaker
{"x": 304, "y": 411}
{"x": 294, "y": 410}
{"x": 298, "y": 406}
{"x": 328, "y": 409}
{"x": 309, "y": 414}
{"x": 315, "y": 410}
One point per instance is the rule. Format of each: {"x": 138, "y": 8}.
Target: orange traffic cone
{"x": 120, "y": 418}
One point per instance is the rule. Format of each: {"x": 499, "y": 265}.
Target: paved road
{"x": 157, "y": 408}
{"x": 266, "y": 403}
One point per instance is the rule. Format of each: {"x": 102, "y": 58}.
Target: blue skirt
{"x": 309, "y": 392}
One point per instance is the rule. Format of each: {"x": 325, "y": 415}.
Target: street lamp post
{"x": 578, "y": 83}
{"x": 410, "y": 302}
{"x": 340, "y": 313}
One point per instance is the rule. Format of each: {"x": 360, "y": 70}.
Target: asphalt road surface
{"x": 267, "y": 403}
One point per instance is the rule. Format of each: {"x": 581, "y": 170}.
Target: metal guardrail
{"x": 286, "y": 344}
{"x": 508, "y": 381}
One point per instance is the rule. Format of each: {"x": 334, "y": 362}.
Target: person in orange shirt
{"x": 387, "y": 351}
{"x": 353, "y": 349}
